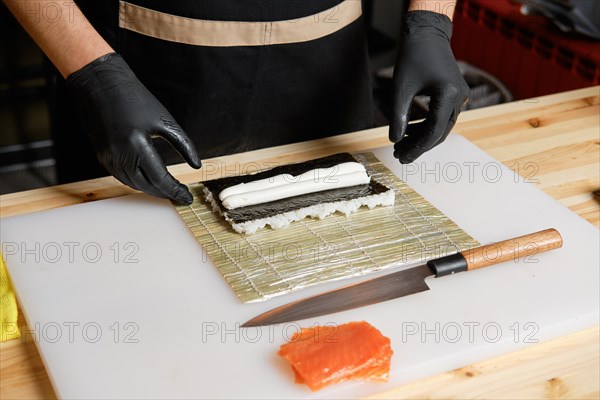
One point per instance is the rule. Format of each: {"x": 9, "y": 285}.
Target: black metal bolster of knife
{"x": 448, "y": 265}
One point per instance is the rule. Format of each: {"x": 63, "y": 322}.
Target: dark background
{"x": 509, "y": 56}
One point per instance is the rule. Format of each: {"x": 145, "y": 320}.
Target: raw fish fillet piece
{"x": 324, "y": 355}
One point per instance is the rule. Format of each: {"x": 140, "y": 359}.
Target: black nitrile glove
{"x": 425, "y": 66}
{"x": 122, "y": 117}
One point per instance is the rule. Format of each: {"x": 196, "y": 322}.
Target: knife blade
{"x": 409, "y": 281}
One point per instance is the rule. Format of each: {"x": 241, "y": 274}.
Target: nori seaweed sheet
{"x": 264, "y": 210}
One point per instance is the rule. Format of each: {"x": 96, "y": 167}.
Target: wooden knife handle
{"x": 512, "y": 249}
{"x": 495, "y": 253}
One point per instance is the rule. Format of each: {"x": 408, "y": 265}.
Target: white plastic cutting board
{"x": 165, "y": 326}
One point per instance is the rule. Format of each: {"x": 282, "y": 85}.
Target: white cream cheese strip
{"x": 261, "y": 184}
{"x": 295, "y": 189}
{"x": 284, "y": 179}
{"x": 285, "y": 185}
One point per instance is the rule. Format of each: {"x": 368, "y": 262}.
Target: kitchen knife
{"x": 410, "y": 281}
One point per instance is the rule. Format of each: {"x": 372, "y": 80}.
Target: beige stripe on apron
{"x": 201, "y": 32}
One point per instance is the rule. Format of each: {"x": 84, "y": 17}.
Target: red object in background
{"x": 527, "y": 53}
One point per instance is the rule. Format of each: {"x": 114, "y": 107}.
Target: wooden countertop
{"x": 553, "y": 140}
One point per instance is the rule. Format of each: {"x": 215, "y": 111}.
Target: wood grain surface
{"x": 553, "y": 141}
{"x": 512, "y": 249}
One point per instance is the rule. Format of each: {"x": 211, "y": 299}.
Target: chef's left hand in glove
{"x": 425, "y": 66}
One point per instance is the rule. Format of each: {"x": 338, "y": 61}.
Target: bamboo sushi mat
{"x": 271, "y": 262}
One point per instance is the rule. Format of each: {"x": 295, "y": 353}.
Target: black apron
{"x": 228, "y": 96}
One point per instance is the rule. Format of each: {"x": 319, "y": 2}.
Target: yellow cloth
{"x": 9, "y": 329}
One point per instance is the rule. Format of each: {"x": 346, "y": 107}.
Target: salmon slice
{"x": 324, "y": 355}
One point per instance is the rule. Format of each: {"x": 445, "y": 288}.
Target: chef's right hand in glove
{"x": 425, "y": 66}
{"x": 121, "y": 118}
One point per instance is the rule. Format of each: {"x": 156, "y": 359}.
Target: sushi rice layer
{"x": 320, "y": 211}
